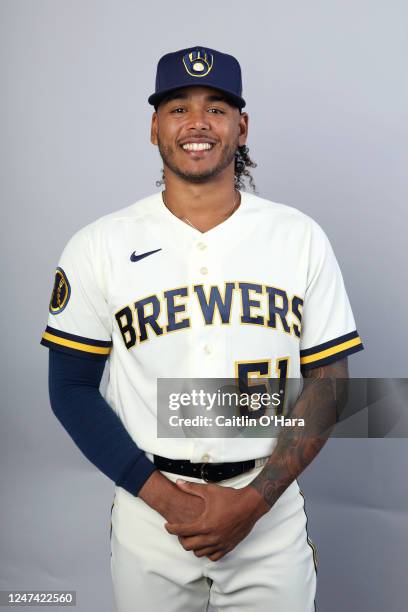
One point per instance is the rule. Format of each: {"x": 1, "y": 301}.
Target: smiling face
{"x": 198, "y": 131}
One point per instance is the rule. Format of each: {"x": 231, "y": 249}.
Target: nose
{"x": 199, "y": 119}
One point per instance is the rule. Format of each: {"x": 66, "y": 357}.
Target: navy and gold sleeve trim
{"x": 330, "y": 351}
{"x": 75, "y": 345}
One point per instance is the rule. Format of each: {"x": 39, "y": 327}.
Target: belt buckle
{"x": 203, "y": 473}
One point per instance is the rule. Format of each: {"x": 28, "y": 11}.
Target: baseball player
{"x": 200, "y": 280}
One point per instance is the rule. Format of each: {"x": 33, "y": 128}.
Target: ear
{"x": 153, "y": 129}
{"x": 243, "y": 128}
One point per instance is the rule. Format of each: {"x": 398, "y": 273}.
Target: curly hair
{"x": 242, "y": 163}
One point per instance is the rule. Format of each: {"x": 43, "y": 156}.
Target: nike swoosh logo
{"x": 135, "y": 257}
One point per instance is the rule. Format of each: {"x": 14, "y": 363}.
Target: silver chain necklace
{"x": 234, "y": 206}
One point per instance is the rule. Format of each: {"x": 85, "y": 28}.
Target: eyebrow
{"x": 183, "y": 96}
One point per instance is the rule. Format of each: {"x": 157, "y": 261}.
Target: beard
{"x": 199, "y": 176}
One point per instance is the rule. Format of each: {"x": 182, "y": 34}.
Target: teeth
{"x": 197, "y": 146}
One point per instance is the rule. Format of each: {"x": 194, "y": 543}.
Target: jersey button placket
{"x": 200, "y": 265}
{"x": 203, "y": 267}
{"x": 202, "y": 249}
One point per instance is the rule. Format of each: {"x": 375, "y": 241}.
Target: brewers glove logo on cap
{"x": 60, "y": 293}
{"x": 198, "y": 63}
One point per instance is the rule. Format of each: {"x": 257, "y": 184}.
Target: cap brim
{"x": 156, "y": 98}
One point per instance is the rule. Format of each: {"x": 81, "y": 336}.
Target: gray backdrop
{"x": 326, "y": 90}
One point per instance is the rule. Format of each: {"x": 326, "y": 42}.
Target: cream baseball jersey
{"x": 260, "y": 294}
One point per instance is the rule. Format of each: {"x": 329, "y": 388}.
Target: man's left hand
{"x": 229, "y": 515}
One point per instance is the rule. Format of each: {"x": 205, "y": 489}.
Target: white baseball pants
{"x": 271, "y": 570}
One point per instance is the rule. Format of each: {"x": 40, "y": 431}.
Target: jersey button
{"x": 204, "y": 270}
{"x": 202, "y": 246}
{"x": 205, "y": 458}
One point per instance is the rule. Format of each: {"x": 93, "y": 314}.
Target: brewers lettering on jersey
{"x": 206, "y": 280}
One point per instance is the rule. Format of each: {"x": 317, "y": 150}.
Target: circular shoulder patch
{"x": 60, "y": 293}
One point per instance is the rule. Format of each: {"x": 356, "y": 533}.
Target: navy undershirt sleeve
{"x": 92, "y": 424}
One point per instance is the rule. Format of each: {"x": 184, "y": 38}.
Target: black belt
{"x": 210, "y": 472}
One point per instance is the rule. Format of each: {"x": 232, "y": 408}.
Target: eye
{"x": 180, "y": 108}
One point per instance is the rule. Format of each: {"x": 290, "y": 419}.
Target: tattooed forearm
{"x": 319, "y": 404}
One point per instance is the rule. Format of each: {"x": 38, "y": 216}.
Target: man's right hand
{"x": 186, "y": 507}
{"x": 165, "y": 497}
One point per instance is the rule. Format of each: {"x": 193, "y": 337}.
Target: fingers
{"x": 217, "y": 555}
{"x": 197, "y": 543}
{"x": 187, "y": 529}
{"x": 204, "y": 546}
{"x": 194, "y": 488}
{"x": 206, "y": 552}
{"x": 201, "y": 549}
{"x": 181, "y": 529}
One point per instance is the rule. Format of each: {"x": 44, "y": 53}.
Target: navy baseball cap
{"x": 198, "y": 66}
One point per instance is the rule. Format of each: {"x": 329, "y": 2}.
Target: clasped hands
{"x": 217, "y": 519}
